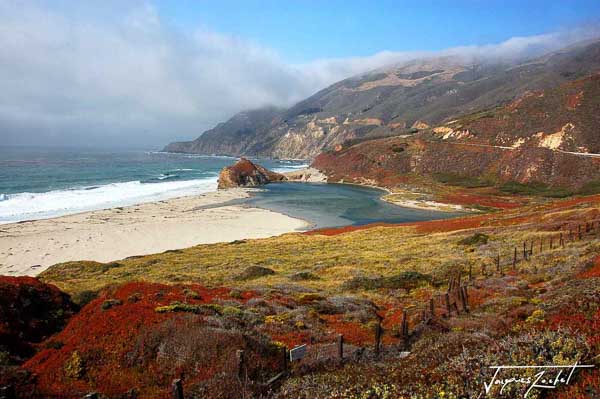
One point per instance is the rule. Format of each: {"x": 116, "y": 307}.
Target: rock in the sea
{"x": 245, "y": 173}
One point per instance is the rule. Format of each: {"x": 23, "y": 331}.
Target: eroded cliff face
{"x": 548, "y": 136}
{"x": 395, "y": 101}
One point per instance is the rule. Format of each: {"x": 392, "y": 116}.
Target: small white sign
{"x": 297, "y": 353}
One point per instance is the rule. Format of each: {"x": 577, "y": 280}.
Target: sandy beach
{"x": 28, "y": 248}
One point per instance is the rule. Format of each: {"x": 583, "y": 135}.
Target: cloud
{"x": 86, "y": 74}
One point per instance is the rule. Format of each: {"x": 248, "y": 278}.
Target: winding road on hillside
{"x": 582, "y": 154}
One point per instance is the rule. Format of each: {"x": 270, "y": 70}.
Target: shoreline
{"x": 30, "y": 247}
{"x": 420, "y": 204}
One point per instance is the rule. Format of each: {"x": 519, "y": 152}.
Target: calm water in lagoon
{"x": 334, "y": 205}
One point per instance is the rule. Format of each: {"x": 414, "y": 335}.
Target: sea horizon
{"x": 47, "y": 182}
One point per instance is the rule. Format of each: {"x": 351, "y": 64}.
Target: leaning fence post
{"x": 177, "y": 389}
{"x": 340, "y": 347}
{"x": 463, "y": 299}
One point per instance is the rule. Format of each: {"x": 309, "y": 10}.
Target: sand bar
{"x": 28, "y": 248}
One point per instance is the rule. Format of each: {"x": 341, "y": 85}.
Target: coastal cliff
{"x": 398, "y": 100}
{"x": 544, "y": 136}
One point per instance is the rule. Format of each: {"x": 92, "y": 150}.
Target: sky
{"x": 142, "y": 73}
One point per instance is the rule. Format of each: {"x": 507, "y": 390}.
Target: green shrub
{"x": 475, "y": 239}
{"x": 53, "y": 345}
{"x": 82, "y": 298}
{"x": 535, "y": 189}
{"x": 301, "y": 276}
{"x": 179, "y": 307}
{"x": 111, "y": 303}
{"x": 405, "y": 280}
{"x": 253, "y": 272}
{"x": 590, "y": 188}
{"x": 462, "y": 181}
{"x": 308, "y": 297}
{"x": 191, "y": 294}
{"x": 75, "y": 367}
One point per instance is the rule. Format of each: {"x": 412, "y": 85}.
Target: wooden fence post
{"x": 177, "y": 389}
{"x": 524, "y": 250}
{"x": 378, "y": 332}
{"x": 340, "y": 347}
{"x": 562, "y": 240}
{"x": 541, "y": 244}
{"x": 551, "y": 242}
{"x": 498, "y": 263}
{"x": 285, "y": 359}
{"x": 570, "y": 234}
{"x": 531, "y": 248}
{"x": 579, "y": 231}
{"x": 431, "y": 308}
{"x": 404, "y": 326}
{"x": 447, "y": 298}
{"x": 515, "y": 259}
{"x": 240, "y": 363}
{"x": 463, "y": 299}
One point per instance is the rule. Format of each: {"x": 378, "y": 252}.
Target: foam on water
{"x": 27, "y": 206}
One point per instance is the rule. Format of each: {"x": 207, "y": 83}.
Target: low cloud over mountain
{"x": 101, "y": 74}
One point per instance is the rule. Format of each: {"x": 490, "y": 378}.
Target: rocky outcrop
{"x": 307, "y": 175}
{"x": 388, "y": 102}
{"x": 245, "y": 173}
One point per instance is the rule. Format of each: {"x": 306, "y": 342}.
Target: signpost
{"x": 297, "y": 353}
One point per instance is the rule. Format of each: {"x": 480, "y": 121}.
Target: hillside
{"x": 543, "y": 138}
{"x": 185, "y": 313}
{"x": 389, "y": 102}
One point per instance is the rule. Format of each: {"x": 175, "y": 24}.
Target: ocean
{"x": 45, "y": 183}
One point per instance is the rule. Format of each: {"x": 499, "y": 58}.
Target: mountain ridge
{"x": 388, "y": 103}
